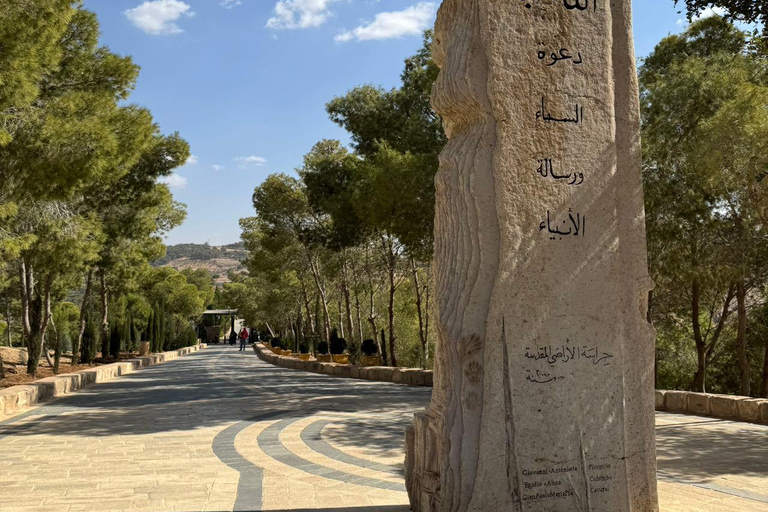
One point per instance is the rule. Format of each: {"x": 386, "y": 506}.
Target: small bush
{"x": 338, "y": 345}
{"x": 304, "y": 348}
{"x": 369, "y": 348}
{"x": 322, "y": 347}
{"x": 278, "y": 343}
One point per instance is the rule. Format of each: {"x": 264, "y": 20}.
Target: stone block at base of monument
{"x": 543, "y": 396}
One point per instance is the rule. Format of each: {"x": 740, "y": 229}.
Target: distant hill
{"x": 218, "y": 260}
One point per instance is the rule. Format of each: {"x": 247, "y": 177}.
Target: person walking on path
{"x": 243, "y": 338}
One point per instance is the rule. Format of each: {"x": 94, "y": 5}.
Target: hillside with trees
{"x": 219, "y": 261}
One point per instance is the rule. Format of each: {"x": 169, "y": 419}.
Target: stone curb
{"x": 724, "y": 407}
{"x": 405, "y": 376}
{"x": 16, "y": 398}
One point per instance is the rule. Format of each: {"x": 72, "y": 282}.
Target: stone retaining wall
{"x": 15, "y": 398}
{"x": 408, "y": 376}
{"x": 727, "y": 407}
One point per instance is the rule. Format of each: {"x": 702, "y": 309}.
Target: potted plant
{"x": 338, "y": 348}
{"x": 322, "y": 352}
{"x": 370, "y": 352}
{"x": 304, "y": 354}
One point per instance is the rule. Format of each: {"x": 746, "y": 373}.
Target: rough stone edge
{"x": 17, "y": 398}
{"x": 406, "y": 376}
{"x": 725, "y": 407}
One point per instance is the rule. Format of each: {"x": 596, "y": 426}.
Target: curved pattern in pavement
{"x": 269, "y": 442}
{"x": 312, "y": 437}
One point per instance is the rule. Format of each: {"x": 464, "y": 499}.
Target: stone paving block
{"x": 328, "y": 368}
{"x": 342, "y": 370}
{"x": 726, "y": 407}
{"x": 382, "y": 373}
{"x": 749, "y": 409}
{"x": 676, "y": 401}
{"x": 698, "y": 403}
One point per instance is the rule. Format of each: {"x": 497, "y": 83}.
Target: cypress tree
{"x": 150, "y": 333}
{"x": 158, "y": 330}
{"x": 114, "y": 341}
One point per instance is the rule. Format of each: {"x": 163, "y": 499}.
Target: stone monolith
{"x": 543, "y": 397}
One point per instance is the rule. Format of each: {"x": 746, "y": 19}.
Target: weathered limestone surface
{"x": 543, "y": 397}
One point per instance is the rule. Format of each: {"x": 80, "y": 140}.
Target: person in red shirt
{"x": 243, "y": 338}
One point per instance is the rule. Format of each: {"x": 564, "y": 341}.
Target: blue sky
{"x": 246, "y": 81}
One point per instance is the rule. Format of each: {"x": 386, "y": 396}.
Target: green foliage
{"x": 91, "y": 339}
{"x": 322, "y": 347}
{"x": 749, "y": 11}
{"x": 705, "y": 127}
{"x": 114, "y": 341}
{"x": 337, "y": 344}
{"x": 202, "y": 252}
{"x": 369, "y": 347}
{"x": 30, "y": 31}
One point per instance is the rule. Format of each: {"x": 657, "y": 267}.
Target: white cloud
{"x": 228, "y": 4}
{"x": 246, "y": 161}
{"x": 217, "y": 167}
{"x": 174, "y": 180}
{"x": 709, "y": 12}
{"x": 293, "y": 14}
{"x": 387, "y": 25}
{"x": 159, "y": 16}
{"x": 192, "y": 160}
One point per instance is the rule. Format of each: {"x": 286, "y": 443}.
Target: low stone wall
{"x": 16, "y": 398}
{"x": 726, "y": 407}
{"x": 407, "y": 376}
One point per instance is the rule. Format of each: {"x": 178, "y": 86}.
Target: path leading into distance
{"x": 220, "y": 430}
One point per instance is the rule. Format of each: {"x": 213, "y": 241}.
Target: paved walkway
{"x": 220, "y": 430}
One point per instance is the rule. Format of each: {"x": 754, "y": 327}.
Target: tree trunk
{"x": 38, "y": 314}
{"x": 699, "y": 379}
{"x": 357, "y": 309}
{"x": 56, "y": 349}
{"x": 104, "y": 314}
{"x": 77, "y": 342}
{"x": 764, "y": 384}
{"x": 323, "y": 298}
{"x": 419, "y": 307}
{"x": 341, "y": 312}
{"x": 656, "y": 352}
{"x": 307, "y": 303}
{"x": 384, "y": 348}
{"x": 391, "y": 313}
{"x": 347, "y": 302}
{"x": 741, "y": 338}
{"x": 8, "y": 315}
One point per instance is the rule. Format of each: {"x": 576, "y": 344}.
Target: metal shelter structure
{"x": 216, "y": 314}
